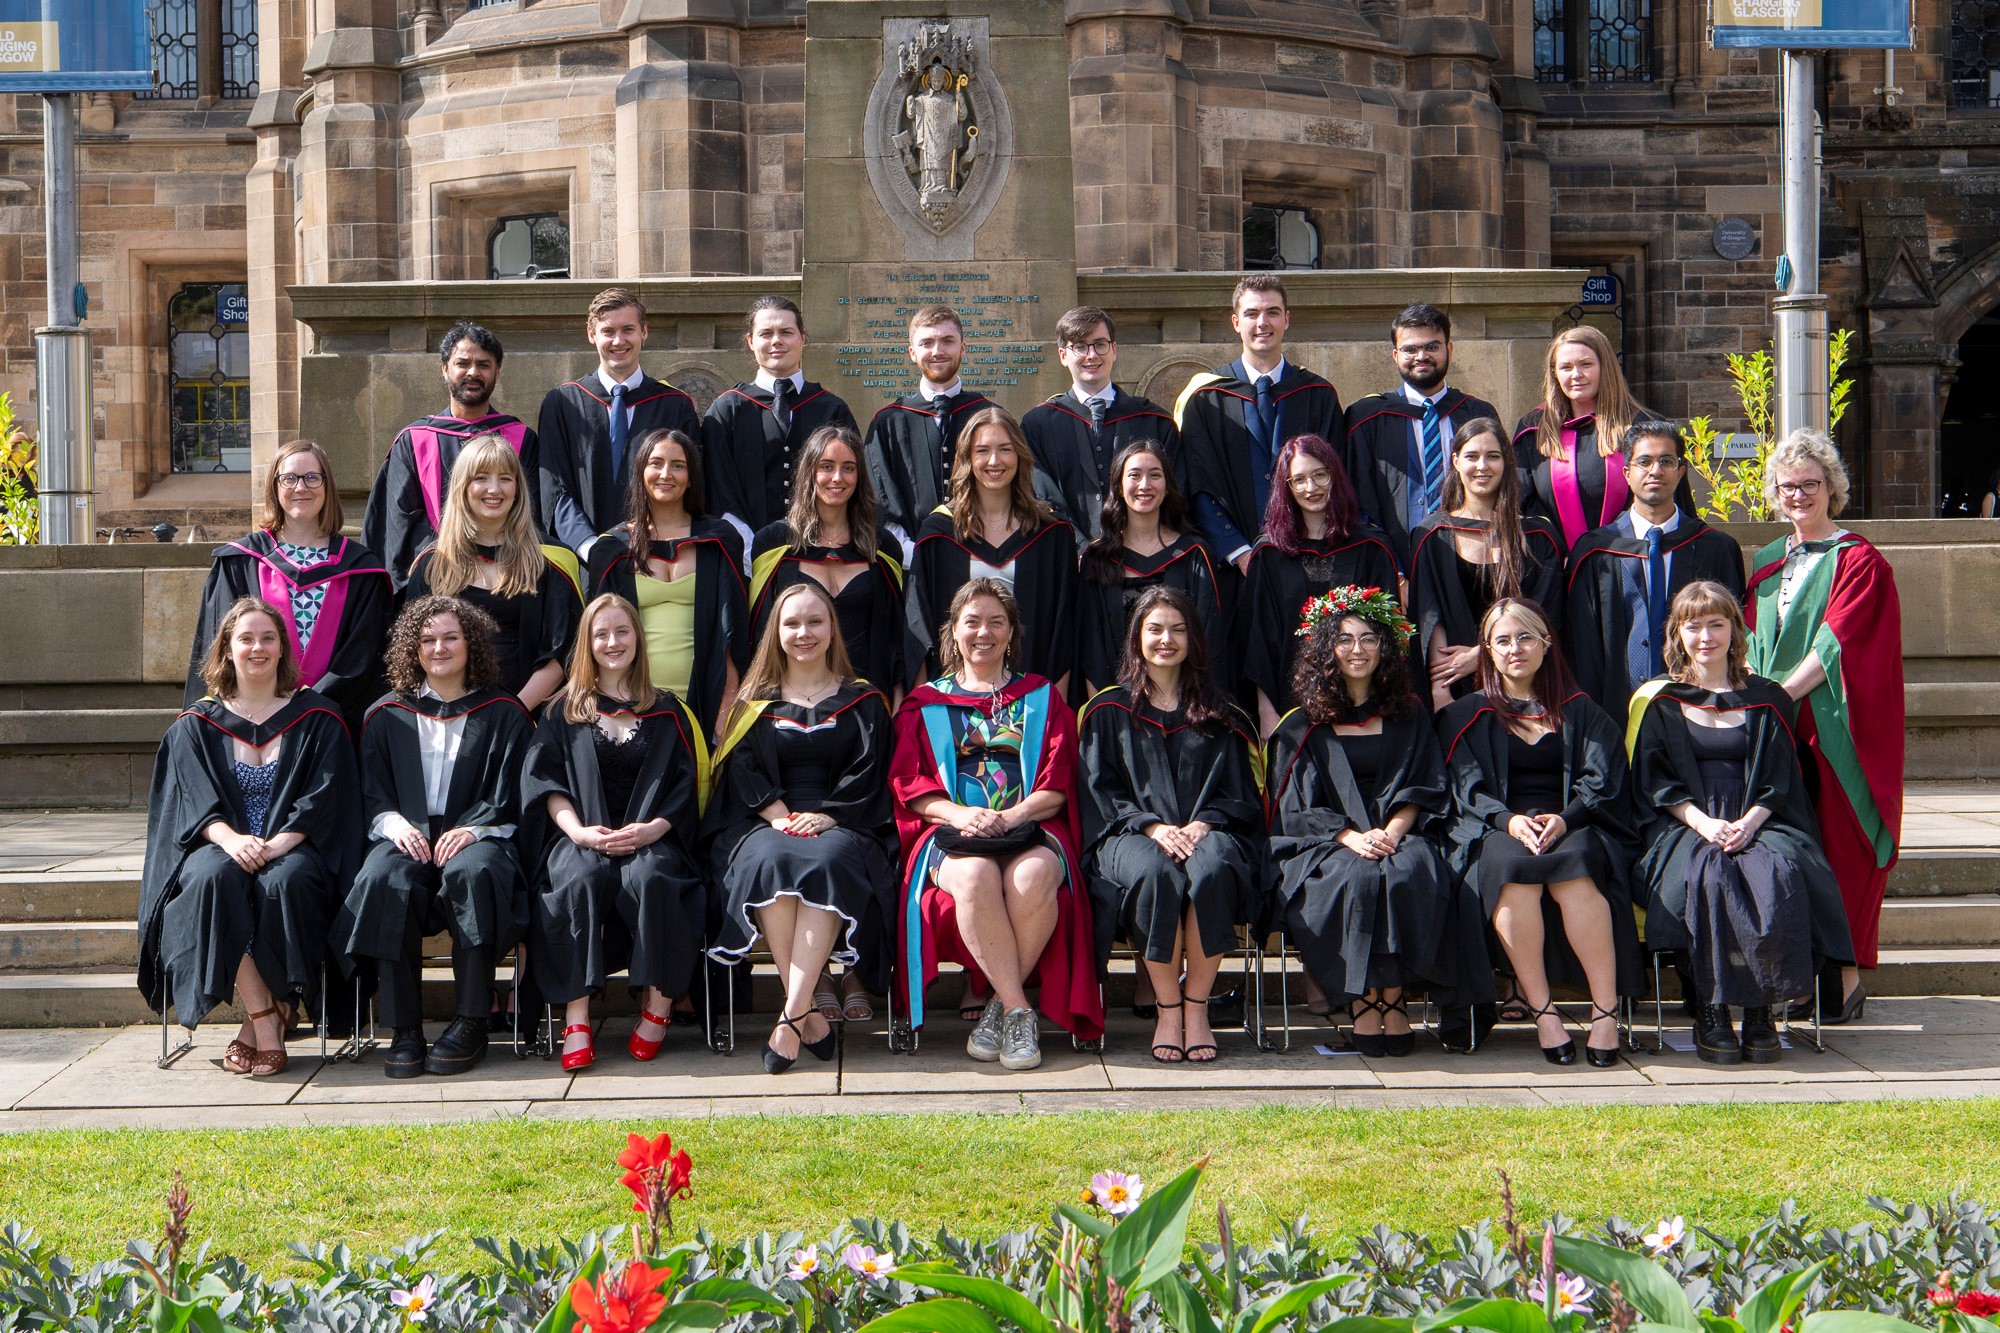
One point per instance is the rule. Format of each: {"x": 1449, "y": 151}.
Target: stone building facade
{"x": 423, "y": 141}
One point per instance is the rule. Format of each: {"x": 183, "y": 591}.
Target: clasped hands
{"x": 1370, "y": 844}
{"x": 1731, "y": 835}
{"x": 621, "y": 841}
{"x": 978, "y": 822}
{"x": 1179, "y": 841}
{"x": 412, "y": 843}
{"x": 803, "y": 823}
{"x": 1538, "y": 833}
{"x": 250, "y": 852}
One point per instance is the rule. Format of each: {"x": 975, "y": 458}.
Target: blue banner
{"x": 75, "y": 46}
{"x": 1801, "y": 25}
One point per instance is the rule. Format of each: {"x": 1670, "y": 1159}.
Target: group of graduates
{"x": 636, "y": 689}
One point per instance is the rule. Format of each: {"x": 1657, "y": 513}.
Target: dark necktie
{"x": 1656, "y": 594}
{"x": 620, "y": 426}
{"x": 1433, "y": 428}
{"x": 781, "y": 405}
{"x": 1096, "y": 406}
{"x": 1267, "y": 416}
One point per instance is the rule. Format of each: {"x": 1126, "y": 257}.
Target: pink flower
{"x": 1667, "y": 1236}
{"x": 1115, "y": 1192}
{"x": 805, "y": 1264}
{"x": 1570, "y": 1293}
{"x": 417, "y": 1301}
{"x": 1942, "y": 1297}
{"x": 863, "y": 1260}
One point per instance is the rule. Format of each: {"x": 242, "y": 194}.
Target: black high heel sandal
{"x": 1564, "y": 1054}
{"x": 1372, "y": 1044}
{"x": 1188, "y": 1052}
{"x": 821, "y": 1049}
{"x": 1598, "y": 1056}
{"x": 1174, "y": 1054}
{"x": 1397, "y": 1044}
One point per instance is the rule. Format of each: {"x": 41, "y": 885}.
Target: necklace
{"x": 972, "y": 688}
{"x": 804, "y": 700}
{"x": 261, "y": 718}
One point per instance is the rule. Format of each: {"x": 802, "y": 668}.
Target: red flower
{"x": 1983, "y": 1304}
{"x": 627, "y": 1303}
{"x": 1942, "y": 1297}
{"x": 646, "y": 1161}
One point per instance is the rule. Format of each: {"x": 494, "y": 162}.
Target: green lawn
{"x": 1723, "y": 1166}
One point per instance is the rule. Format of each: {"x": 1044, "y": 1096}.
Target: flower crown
{"x": 1370, "y": 604}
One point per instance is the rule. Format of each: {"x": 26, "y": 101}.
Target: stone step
{"x": 1946, "y": 873}
{"x": 68, "y": 946}
{"x": 108, "y": 895}
{"x": 1936, "y": 971}
{"x": 110, "y": 998}
{"x": 1971, "y": 920}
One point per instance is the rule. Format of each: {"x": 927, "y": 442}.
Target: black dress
{"x": 1039, "y": 566}
{"x": 1358, "y": 924}
{"x": 1108, "y": 590}
{"x": 1451, "y": 593}
{"x": 1142, "y": 766}
{"x": 1757, "y": 922}
{"x": 831, "y": 758}
{"x": 869, "y": 607}
{"x": 1278, "y": 588}
{"x": 534, "y": 628}
{"x": 592, "y": 914}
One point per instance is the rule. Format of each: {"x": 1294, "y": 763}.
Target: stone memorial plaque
{"x": 1735, "y": 238}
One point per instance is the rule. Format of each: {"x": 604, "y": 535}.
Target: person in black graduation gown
{"x": 802, "y": 830}
{"x": 1731, "y": 870}
{"x": 1476, "y": 549}
{"x": 1541, "y": 825}
{"x": 1358, "y": 803}
{"x": 996, "y": 527}
{"x": 1077, "y": 434}
{"x": 407, "y": 500}
{"x": 912, "y": 441}
{"x": 610, "y": 827}
{"x": 1233, "y": 422}
{"x": 1313, "y": 541}
{"x": 684, "y": 571}
{"x": 1173, "y": 821}
{"x": 487, "y": 552}
{"x": 590, "y": 428}
{"x": 332, "y": 595}
{"x": 1144, "y": 540}
{"x": 1615, "y": 628}
{"x": 754, "y": 434}
{"x": 441, "y": 762}
{"x": 252, "y": 824}
{"x": 829, "y": 535}
{"x": 1570, "y": 445}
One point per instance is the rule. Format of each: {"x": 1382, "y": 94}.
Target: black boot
{"x": 1714, "y": 1038}
{"x": 1760, "y": 1038}
{"x": 406, "y": 1054}
{"x": 462, "y": 1046}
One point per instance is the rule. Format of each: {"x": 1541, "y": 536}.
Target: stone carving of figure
{"x": 939, "y": 142}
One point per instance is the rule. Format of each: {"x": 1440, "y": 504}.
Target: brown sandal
{"x": 236, "y": 1059}
{"x": 264, "y": 1064}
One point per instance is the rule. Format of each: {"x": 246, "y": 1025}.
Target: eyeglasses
{"x": 1525, "y": 639}
{"x": 1420, "y": 349}
{"x": 1357, "y": 641}
{"x": 1317, "y": 477}
{"x": 1098, "y": 348}
{"x": 1650, "y": 463}
{"x": 1793, "y": 490}
{"x": 301, "y": 481}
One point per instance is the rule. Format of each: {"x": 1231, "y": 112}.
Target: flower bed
{"x": 1114, "y": 1258}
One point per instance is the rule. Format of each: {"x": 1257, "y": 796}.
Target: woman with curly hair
{"x": 441, "y": 761}
{"x": 1313, "y": 541}
{"x": 1359, "y": 798}
{"x": 1145, "y": 540}
{"x": 995, "y": 527}
{"x": 1173, "y": 822}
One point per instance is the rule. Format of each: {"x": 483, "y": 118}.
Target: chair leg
{"x": 1659, "y": 1007}
{"x": 168, "y": 1056}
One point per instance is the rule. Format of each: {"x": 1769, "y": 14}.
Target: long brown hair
{"x": 1029, "y": 510}
{"x": 1201, "y": 702}
{"x": 969, "y": 591}
{"x": 1702, "y": 598}
{"x": 1505, "y": 541}
{"x": 218, "y": 671}
{"x": 1616, "y": 408}
{"x": 765, "y": 677}
{"x": 331, "y": 516}
{"x": 1101, "y": 558}
{"x": 520, "y": 560}
{"x": 1553, "y": 683}
{"x": 802, "y": 517}
{"x": 1321, "y": 689}
{"x": 639, "y": 505}
{"x": 579, "y": 694}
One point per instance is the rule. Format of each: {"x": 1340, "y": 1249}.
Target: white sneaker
{"x": 1020, "y": 1040}
{"x": 984, "y": 1043}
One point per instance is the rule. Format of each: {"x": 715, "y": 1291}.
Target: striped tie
{"x": 1433, "y": 458}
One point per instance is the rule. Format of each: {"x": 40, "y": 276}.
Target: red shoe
{"x": 584, "y": 1058}
{"x": 641, "y": 1048}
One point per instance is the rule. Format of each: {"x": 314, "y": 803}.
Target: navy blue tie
{"x": 1267, "y": 415}
{"x": 620, "y": 426}
{"x": 1433, "y": 458}
{"x": 1656, "y": 596}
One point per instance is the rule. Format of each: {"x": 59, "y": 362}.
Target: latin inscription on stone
{"x": 998, "y": 355}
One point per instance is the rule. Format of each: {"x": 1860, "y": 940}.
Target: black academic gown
{"x": 1077, "y": 459}
{"x": 199, "y": 912}
{"x": 1219, "y": 450}
{"x": 1597, "y": 780}
{"x": 748, "y": 454}
{"x": 592, "y": 915}
{"x": 1538, "y": 480}
{"x": 1141, "y": 767}
{"x": 479, "y": 895}
{"x": 536, "y": 628}
{"x": 343, "y": 661}
{"x": 1104, "y": 607}
{"x": 1439, "y": 598}
{"x": 910, "y": 446}
{"x": 870, "y": 609}
{"x": 1380, "y": 457}
{"x": 1280, "y": 585}
{"x": 1042, "y": 568}
{"x": 1780, "y": 874}
{"x": 1358, "y": 924}
{"x": 721, "y": 609}
{"x": 408, "y": 496}
{"x": 582, "y": 487}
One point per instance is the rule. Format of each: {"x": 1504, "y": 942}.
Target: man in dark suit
{"x": 590, "y": 427}
{"x": 1234, "y": 421}
{"x": 911, "y": 441}
{"x": 1399, "y": 442}
{"x": 1076, "y": 434}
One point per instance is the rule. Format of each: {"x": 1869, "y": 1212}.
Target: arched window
{"x": 208, "y": 377}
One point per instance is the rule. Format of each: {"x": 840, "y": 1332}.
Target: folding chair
{"x": 1429, "y": 1019}
{"x": 1660, "y": 1009}
{"x": 436, "y": 952}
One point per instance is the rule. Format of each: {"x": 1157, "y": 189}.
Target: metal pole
{"x": 62, "y": 350}
{"x": 1800, "y": 340}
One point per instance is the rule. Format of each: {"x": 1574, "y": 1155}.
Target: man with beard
{"x": 1623, "y": 576}
{"x": 1399, "y": 442}
{"x": 911, "y": 441}
{"x": 1076, "y": 434}
{"x": 408, "y": 494}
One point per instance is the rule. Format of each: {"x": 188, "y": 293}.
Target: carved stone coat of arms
{"x": 937, "y": 134}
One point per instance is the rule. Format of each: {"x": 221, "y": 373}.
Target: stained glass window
{"x": 208, "y": 377}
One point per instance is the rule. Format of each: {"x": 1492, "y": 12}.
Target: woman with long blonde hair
{"x": 487, "y": 552}
{"x": 1577, "y": 432}
{"x": 995, "y": 526}
{"x": 803, "y": 833}
{"x": 610, "y": 829}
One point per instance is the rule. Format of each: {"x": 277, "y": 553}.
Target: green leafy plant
{"x": 1736, "y": 489}
{"x": 20, "y": 517}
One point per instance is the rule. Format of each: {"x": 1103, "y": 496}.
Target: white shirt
{"x": 769, "y": 382}
{"x": 583, "y": 551}
{"x": 1640, "y": 527}
{"x": 1799, "y": 563}
{"x": 931, "y": 391}
{"x": 1108, "y": 394}
{"x": 438, "y": 742}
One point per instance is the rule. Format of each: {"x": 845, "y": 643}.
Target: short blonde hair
{"x": 1798, "y": 450}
